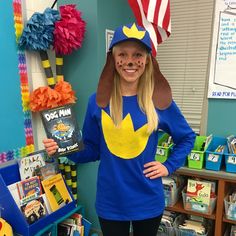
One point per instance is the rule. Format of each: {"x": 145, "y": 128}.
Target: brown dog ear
{"x": 106, "y": 81}
{"x": 162, "y": 96}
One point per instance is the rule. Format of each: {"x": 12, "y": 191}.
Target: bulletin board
{"x": 222, "y": 78}
{"x": 11, "y": 118}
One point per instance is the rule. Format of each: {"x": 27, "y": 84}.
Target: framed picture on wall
{"x": 109, "y": 36}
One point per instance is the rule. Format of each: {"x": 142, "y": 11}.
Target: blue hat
{"x": 131, "y": 32}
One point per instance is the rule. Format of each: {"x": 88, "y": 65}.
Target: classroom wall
{"x": 221, "y": 117}
{"x": 82, "y": 70}
{"x": 11, "y": 113}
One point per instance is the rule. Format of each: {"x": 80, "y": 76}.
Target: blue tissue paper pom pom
{"x": 38, "y": 32}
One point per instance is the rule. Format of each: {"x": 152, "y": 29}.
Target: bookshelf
{"x": 9, "y": 174}
{"x": 224, "y": 181}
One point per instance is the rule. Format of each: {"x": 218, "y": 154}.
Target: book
{"x": 78, "y": 218}
{"x": 27, "y": 165}
{"x": 56, "y": 192}
{"x": 48, "y": 170}
{"x": 14, "y": 192}
{"x": 60, "y": 124}
{"x": 29, "y": 187}
{"x": 193, "y": 227}
{"x": 198, "y": 192}
{"x": 34, "y": 210}
{"x": 66, "y": 229}
{"x": 48, "y": 208}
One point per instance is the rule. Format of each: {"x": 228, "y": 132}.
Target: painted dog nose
{"x": 130, "y": 64}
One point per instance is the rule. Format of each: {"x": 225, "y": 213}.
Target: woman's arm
{"x": 173, "y": 122}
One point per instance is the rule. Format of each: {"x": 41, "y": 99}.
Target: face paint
{"x": 130, "y": 60}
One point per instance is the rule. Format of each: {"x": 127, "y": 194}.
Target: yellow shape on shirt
{"x": 124, "y": 141}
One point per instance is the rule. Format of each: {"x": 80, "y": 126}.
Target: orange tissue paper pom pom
{"x": 65, "y": 90}
{"x": 44, "y": 98}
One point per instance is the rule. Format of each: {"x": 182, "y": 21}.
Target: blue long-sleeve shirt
{"x": 123, "y": 191}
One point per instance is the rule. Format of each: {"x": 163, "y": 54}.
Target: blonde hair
{"x": 144, "y": 94}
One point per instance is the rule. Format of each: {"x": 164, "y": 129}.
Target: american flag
{"x": 154, "y": 16}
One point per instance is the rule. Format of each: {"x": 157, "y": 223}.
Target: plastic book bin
{"x": 186, "y": 232}
{"x": 196, "y": 157}
{"x": 171, "y": 197}
{"x": 162, "y": 153}
{"x": 214, "y": 159}
{"x": 13, "y": 215}
{"x": 230, "y": 209}
{"x": 197, "y": 206}
{"x": 230, "y": 162}
{"x": 164, "y": 231}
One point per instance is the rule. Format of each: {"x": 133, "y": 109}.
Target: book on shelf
{"x": 48, "y": 208}
{"x": 56, "y": 192}
{"x": 77, "y": 218}
{"x": 48, "y": 170}
{"x": 14, "y": 192}
{"x": 29, "y": 187}
{"x": 67, "y": 229}
{"x": 28, "y": 164}
{"x": 60, "y": 124}
{"x": 34, "y": 210}
{"x": 72, "y": 225}
{"x": 198, "y": 192}
{"x": 193, "y": 227}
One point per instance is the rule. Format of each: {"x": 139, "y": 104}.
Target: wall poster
{"x": 222, "y": 77}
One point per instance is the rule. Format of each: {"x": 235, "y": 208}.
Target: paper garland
{"x": 16, "y": 153}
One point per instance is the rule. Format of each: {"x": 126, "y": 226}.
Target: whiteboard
{"x": 225, "y": 60}
{"x": 222, "y": 64}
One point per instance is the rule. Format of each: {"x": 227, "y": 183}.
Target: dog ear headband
{"x": 161, "y": 97}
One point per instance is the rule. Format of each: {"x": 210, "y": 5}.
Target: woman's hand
{"x": 50, "y": 146}
{"x": 155, "y": 169}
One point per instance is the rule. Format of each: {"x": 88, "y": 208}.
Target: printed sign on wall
{"x": 109, "y": 36}
{"x": 222, "y": 79}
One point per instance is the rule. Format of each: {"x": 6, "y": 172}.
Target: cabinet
{"x": 224, "y": 181}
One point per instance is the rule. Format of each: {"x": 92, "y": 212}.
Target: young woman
{"x": 132, "y": 102}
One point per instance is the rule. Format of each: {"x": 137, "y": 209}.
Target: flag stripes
{"x": 154, "y": 16}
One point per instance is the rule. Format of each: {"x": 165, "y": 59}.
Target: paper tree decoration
{"x": 64, "y": 32}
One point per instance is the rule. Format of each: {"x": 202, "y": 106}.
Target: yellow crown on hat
{"x": 133, "y": 32}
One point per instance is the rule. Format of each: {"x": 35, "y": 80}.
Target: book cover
{"x": 48, "y": 208}
{"x": 28, "y": 187}
{"x": 34, "y": 210}
{"x": 56, "y": 192}
{"x": 65, "y": 229}
{"x": 14, "y": 192}
{"x": 198, "y": 192}
{"x": 47, "y": 170}
{"x": 29, "y": 164}
{"x": 78, "y": 218}
{"x": 60, "y": 124}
